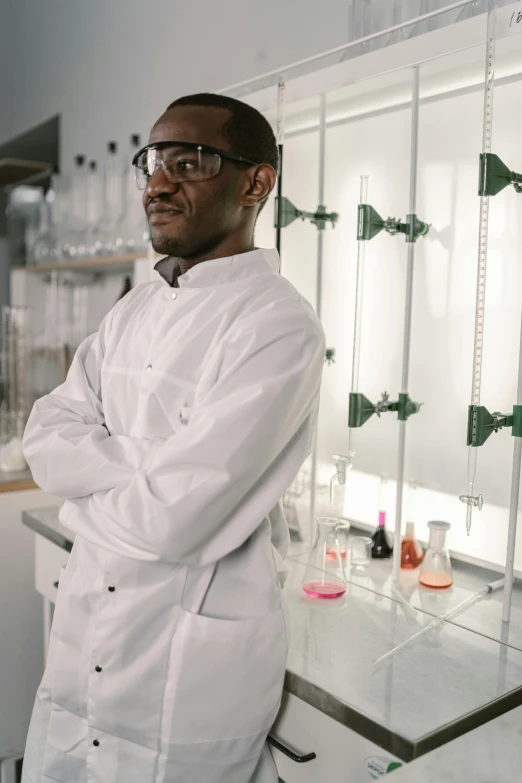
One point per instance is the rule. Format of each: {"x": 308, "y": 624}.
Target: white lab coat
{"x": 178, "y": 429}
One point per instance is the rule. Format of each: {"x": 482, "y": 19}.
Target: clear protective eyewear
{"x": 181, "y": 161}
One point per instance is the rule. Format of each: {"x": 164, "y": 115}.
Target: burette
{"x": 471, "y": 499}
{"x": 280, "y": 134}
{"x": 319, "y": 289}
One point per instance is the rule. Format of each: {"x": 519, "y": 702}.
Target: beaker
{"x": 324, "y": 576}
{"x": 411, "y": 551}
{"x": 361, "y": 552}
{"x": 436, "y": 567}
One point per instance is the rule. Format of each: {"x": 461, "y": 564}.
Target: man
{"x": 178, "y": 429}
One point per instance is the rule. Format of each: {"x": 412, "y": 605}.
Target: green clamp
{"x": 516, "y": 430}
{"x": 494, "y": 176}
{"x": 330, "y": 356}
{"x": 407, "y": 407}
{"x": 286, "y": 213}
{"x": 482, "y": 423}
{"x": 361, "y": 409}
{"x": 370, "y": 223}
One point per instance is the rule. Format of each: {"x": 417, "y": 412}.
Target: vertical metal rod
{"x": 513, "y": 505}
{"x": 319, "y": 290}
{"x": 407, "y": 324}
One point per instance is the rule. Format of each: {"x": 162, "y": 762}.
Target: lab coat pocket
{"x": 225, "y": 677}
{"x": 60, "y": 610}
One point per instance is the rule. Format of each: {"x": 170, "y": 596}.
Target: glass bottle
{"x": 45, "y": 249}
{"x": 94, "y": 209}
{"x": 381, "y": 547}
{"x": 74, "y": 238}
{"x": 109, "y": 226}
{"x": 324, "y": 575}
{"x": 436, "y": 567}
{"x": 411, "y": 551}
{"x": 132, "y": 231}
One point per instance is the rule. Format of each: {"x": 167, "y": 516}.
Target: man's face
{"x": 189, "y": 219}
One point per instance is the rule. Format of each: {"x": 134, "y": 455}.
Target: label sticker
{"x": 379, "y": 766}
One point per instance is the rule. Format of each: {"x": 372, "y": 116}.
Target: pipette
{"x": 471, "y": 499}
{"x": 438, "y": 621}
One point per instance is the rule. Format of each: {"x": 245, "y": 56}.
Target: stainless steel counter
{"x": 453, "y": 681}
{"x": 489, "y": 754}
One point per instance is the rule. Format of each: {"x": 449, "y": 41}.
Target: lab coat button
{"x": 95, "y": 743}
{"x": 111, "y": 588}
{"x": 98, "y": 668}
{"x": 174, "y": 295}
{"x": 149, "y": 368}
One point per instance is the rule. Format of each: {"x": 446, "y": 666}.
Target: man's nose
{"x": 158, "y": 184}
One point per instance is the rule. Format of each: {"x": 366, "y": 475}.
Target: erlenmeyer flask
{"x": 324, "y": 576}
{"x": 436, "y": 567}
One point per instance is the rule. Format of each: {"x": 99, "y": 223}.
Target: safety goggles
{"x": 181, "y": 161}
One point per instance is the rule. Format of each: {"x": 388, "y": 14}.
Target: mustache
{"x": 162, "y": 204}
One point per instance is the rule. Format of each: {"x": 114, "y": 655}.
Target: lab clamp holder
{"x": 482, "y": 424}
{"x": 370, "y": 223}
{"x": 494, "y": 176}
{"x": 361, "y": 409}
{"x": 286, "y": 213}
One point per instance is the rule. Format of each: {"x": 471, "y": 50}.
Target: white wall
{"x": 450, "y": 131}
{"x": 111, "y": 68}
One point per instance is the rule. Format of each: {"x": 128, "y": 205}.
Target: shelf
{"x": 86, "y": 263}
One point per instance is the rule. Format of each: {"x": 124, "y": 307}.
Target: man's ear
{"x": 259, "y": 183}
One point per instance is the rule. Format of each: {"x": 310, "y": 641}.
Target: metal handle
{"x": 290, "y": 753}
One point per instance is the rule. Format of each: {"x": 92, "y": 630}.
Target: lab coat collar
{"x": 219, "y": 271}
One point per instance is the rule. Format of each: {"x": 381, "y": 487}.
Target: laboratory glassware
{"x": 472, "y": 500}
{"x": 381, "y": 547}
{"x": 131, "y": 235}
{"x": 360, "y": 553}
{"x": 45, "y": 249}
{"x": 74, "y": 238}
{"x": 410, "y": 267}
{"x": 446, "y": 617}
{"x": 14, "y": 403}
{"x": 280, "y": 135}
{"x": 411, "y": 551}
{"x": 94, "y": 209}
{"x": 436, "y": 567}
{"x": 324, "y": 575}
{"x": 113, "y": 200}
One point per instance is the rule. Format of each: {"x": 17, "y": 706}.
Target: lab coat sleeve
{"x": 204, "y": 492}
{"x": 66, "y": 443}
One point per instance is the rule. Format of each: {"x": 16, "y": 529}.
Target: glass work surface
{"x": 435, "y": 682}
{"x": 483, "y": 617}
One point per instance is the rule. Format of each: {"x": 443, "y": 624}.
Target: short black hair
{"x": 246, "y": 131}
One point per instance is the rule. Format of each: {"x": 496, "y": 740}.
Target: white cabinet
{"x": 49, "y": 558}
{"x": 21, "y": 651}
{"x": 342, "y": 755}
